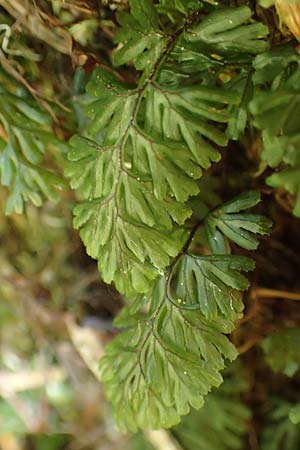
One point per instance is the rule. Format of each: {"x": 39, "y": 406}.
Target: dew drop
{"x": 179, "y": 300}
{"x": 192, "y": 174}
{"x": 181, "y": 284}
{"x": 185, "y": 372}
{"x": 138, "y": 178}
{"x": 128, "y": 164}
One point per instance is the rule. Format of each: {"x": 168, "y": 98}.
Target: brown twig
{"x": 274, "y": 293}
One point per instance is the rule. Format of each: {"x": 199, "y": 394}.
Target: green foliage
{"x": 276, "y": 109}
{"x": 186, "y": 76}
{"x": 146, "y": 147}
{"x": 208, "y": 282}
{"x": 139, "y": 35}
{"x": 294, "y": 414}
{"x": 25, "y": 142}
{"x": 222, "y": 422}
{"x": 164, "y": 362}
{"x": 280, "y": 433}
{"x": 228, "y": 221}
{"x": 10, "y": 422}
{"x": 134, "y": 169}
{"x": 282, "y": 351}
{"x": 225, "y": 31}
{"x": 174, "y": 7}
{"x": 174, "y": 346}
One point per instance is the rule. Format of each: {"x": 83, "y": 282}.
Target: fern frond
{"x": 164, "y": 362}
{"x": 228, "y": 221}
{"x": 25, "y": 139}
{"x": 135, "y": 169}
{"x": 222, "y": 422}
{"x": 282, "y": 351}
{"x": 174, "y": 346}
{"x": 280, "y": 433}
{"x": 140, "y": 37}
{"x": 146, "y": 147}
{"x": 225, "y": 31}
{"x": 212, "y": 284}
{"x": 276, "y": 110}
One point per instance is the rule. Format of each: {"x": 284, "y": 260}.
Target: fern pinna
{"x": 135, "y": 169}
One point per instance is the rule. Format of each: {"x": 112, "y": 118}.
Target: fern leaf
{"x": 139, "y": 36}
{"x": 276, "y": 112}
{"x": 238, "y": 227}
{"x": 182, "y": 6}
{"x": 239, "y": 113}
{"x": 211, "y": 284}
{"x": 164, "y": 362}
{"x": 280, "y": 433}
{"x": 137, "y": 163}
{"x": 282, "y": 351}
{"x": 289, "y": 179}
{"x": 225, "y": 31}
{"x": 222, "y": 422}
{"x": 26, "y": 137}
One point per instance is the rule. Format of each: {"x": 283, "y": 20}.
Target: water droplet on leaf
{"x": 127, "y": 164}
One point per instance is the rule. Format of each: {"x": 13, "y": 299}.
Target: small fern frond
{"x": 164, "y": 363}
{"x": 25, "y": 139}
{"x": 282, "y": 351}
{"x": 222, "y": 422}
{"x": 276, "y": 109}
{"x": 175, "y": 343}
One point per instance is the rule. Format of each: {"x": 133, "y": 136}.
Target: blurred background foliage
{"x": 55, "y": 313}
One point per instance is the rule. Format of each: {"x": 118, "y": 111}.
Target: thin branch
{"x": 261, "y": 292}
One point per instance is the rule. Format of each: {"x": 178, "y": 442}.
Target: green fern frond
{"x": 139, "y": 36}
{"x": 164, "y": 362}
{"x": 225, "y": 31}
{"x": 175, "y": 8}
{"x": 228, "y": 221}
{"x": 25, "y": 141}
{"x": 276, "y": 109}
{"x": 139, "y": 160}
{"x": 282, "y": 351}
{"x": 212, "y": 284}
{"x": 222, "y": 422}
{"x": 280, "y": 433}
{"x": 174, "y": 346}
{"x": 135, "y": 169}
